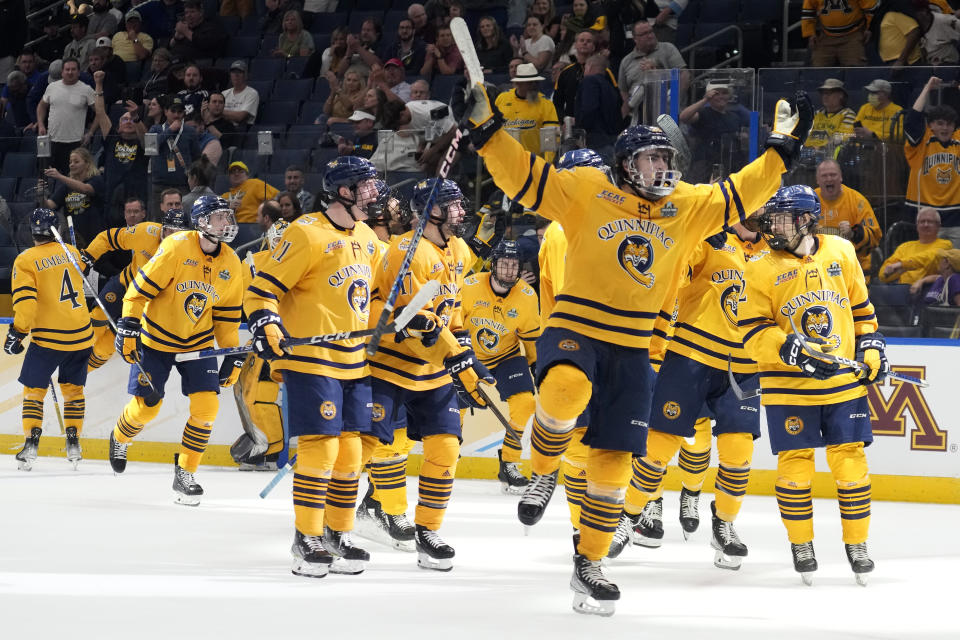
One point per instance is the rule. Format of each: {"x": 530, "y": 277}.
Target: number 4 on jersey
{"x": 67, "y": 292}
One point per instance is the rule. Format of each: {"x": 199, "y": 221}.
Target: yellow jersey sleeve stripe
{"x": 753, "y": 332}
{"x": 235, "y": 308}
{"x": 707, "y": 336}
{"x": 148, "y": 281}
{"x": 272, "y": 280}
{"x": 113, "y": 240}
{"x": 45, "y": 339}
{"x": 260, "y": 292}
{"x": 23, "y": 288}
{"x": 527, "y": 183}
{"x": 225, "y": 319}
{"x": 714, "y": 354}
{"x": 23, "y": 299}
{"x": 541, "y": 186}
{"x": 810, "y": 392}
{"x": 494, "y": 361}
{"x": 741, "y": 214}
{"x": 46, "y": 330}
{"x": 188, "y": 346}
{"x": 402, "y": 356}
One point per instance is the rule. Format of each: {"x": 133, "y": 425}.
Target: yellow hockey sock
{"x": 608, "y": 473}
{"x": 32, "y": 411}
{"x": 103, "y": 341}
{"x": 573, "y": 470}
{"x": 848, "y": 463}
{"x": 521, "y": 406}
{"x": 736, "y": 453}
{"x": 342, "y": 489}
{"x": 694, "y": 459}
{"x": 388, "y": 473}
{"x": 794, "y": 495}
{"x": 196, "y": 434}
{"x": 134, "y": 418}
{"x": 648, "y": 471}
{"x": 74, "y": 405}
{"x": 440, "y": 453}
{"x": 564, "y": 394}
{"x": 368, "y": 444}
{"x": 316, "y": 456}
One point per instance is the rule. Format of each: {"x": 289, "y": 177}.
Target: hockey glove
{"x": 466, "y": 372}
{"x": 230, "y": 370}
{"x": 14, "y": 342}
{"x": 793, "y": 355}
{"x": 87, "y": 261}
{"x": 128, "y": 339}
{"x": 790, "y": 128}
{"x": 423, "y": 327}
{"x": 475, "y": 112}
{"x": 871, "y": 351}
{"x": 463, "y": 338}
{"x": 269, "y": 336}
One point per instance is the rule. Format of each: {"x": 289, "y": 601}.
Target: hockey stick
{"x": 278, "y": 476}
{"x": 496, "y": 411}
{"x": 420, "y": 300}
{"x": 670, "y": 128}
{"x": 737, "y": 391}
{"x": 853, "y": 364}
{"x": 56, "y": 406}
{"x": 113, "y": 324}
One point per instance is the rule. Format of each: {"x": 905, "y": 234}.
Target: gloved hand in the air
{"x": 475, "y": 112}
{"x": 791, "y": 124}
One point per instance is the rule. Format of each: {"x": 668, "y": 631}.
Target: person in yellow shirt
{"x": 833, "y": 122}
{"x": 915, "y": 259}
{"x": 837, "y": 31}
{"x": 526, "y": 110}
{"x": 131, "y": 44}
{"x": 899, "y": 42}
{"x": 246, "y": 194}
{"x": 846, "y": 213}
{"x": 875, "y": 119}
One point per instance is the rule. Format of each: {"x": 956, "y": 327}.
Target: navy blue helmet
{"x": 634, "y": 141}
{"x": 203, "y": 208}
{"x": 175, "y": 220}
{"x": 42, "y": 222}
{"x": 447, "y": 192}
{"x": 347, "y": 171}
{"x": 506, "y": 275}
{"x": 795, "y": 200}
{"x": 584, "y": 158}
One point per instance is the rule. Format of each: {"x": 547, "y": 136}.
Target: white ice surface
{"x": 89, "y": 555}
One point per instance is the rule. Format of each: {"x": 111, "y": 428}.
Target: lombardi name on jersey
{"x": 55, "y": 260}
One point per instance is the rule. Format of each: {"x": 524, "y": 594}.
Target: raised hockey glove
{"x": 791, "y": 124}
{"x": 269, "y": 336}
{"x": 475, "y": 112}
{"x": 128, "y": 339}
{"x": 87, "y": 261}
{"x": 230, "y": 370}
{"x": 793, "y": 355}
{"x": 871, "y": 351}
{"x": 466, "y": 372}
{"x": 424, "y": 327}
{"x": 14, "y": 341}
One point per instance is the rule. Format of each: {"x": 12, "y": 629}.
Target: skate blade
{"x": 368, "y": 529}
{"x": 723, "y": 561}
{"x": 189, "y": 501}
{"x": 583, "y": 603}
{"x": 861, "y": 579}
{"x": 346, "y": 567}
{"x": 425, "y": 561}
{"x": 508, "y": 490}
{"x": 75, "y": 463}
{"x": 686, "y": 534}
{"x": 24, "y": 465}
{"x": 807, "y": 578}
{"x": 643, "y": 541}
{"x": 309, "y": 570}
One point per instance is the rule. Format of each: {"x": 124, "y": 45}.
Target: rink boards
{"x": 915, "y": 455}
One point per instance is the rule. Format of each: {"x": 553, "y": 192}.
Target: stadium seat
{"x": 442, "y": 87}
{"x": 719, "y": 11}
{"x": 390, "y": 21}
{"x": 249, "y": 140}
{"x": 249, "y": 26}
{"x": 368, "y": 5}
{"x": 5, "y": 239}
{"x": 278, "y": 112}
{"x": 321, "y": 90}
{"x": 313, "y": 181}
{"x": 243, "y": 47}
{"x": 221, "y": 183}
{"x": 8, "y": 187}
{"x": 303, "y": 136}
{"x": 266, "y": 68}
{"x": 310, "y": 111}
{"x": 231, "y": 24}
{"x": 292, "y": 90}
{"x": 19, "y": 165}
{"x": 283, "y": 158}
{"x": 321, "y": 156}
{"x": 264, "y": 89}
{"x": 357, "y": 19}
{"x": 294, "y": 66}
{"x": 402, "y": 183}
{"x": 325, "y": 24}
{"x": 28, "y": 143}
{"x": 268, "y": 45}
{"x": 940, "y": 322}
{"x": 134, "y": 69}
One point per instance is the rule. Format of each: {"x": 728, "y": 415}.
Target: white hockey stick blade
{"x": 737, "y": 391}
{"x": 461, "y": 35}
{"x": 423, "y": 297}
{"x": 670, "y": 128}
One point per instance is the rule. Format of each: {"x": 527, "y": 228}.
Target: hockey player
{"x": 628, "y": 245}
{"x": 423, "y": 377}
{"x": 501, "y": 313}
{"x": 810, "y": 403}
{"x": 48, "y": 305}
{"x": 318, "y": 280}
{"x": 186, "y": 295}
{"x": 141, "y": 240}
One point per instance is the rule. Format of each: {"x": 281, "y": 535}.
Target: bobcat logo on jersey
{"x": 944, "y": 175}
{"x": 110, "y": 297}
{"x": 635, "y": 255}
{"x": 445, "y": 311}
{"x": 793, "y": 425}
{"x": 730, "y": 301}
{"x": 328, "y": 410}
{"x": 488, "y": 339}
{"x": 378, "y": 413}
{"x": 194, "y": 305}
{"x": 671, "y": 410}
{"x": 358, "y": 296}
{"x": 817, "y": 322}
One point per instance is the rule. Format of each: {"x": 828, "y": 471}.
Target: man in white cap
{"x": 364, "y": 141}
{"x": 526, "y": 110}
{"x": 876, "y": 117}
{"x": 833, "y": 122}
{"x": 131, "y": 45}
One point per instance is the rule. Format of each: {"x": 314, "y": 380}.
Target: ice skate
{"x": 689, "y": 511}
{"x": 260, "y": 463}
{"x": 621, "y": 537}
{"x": 648, "y": 530}
{"x": 118, "y": 454}
{"x": 433, "y": 552}
{"x": 730, "y": 551}
{"x": 28, "y": 455}
{"x": 804, "y": 561}
{"x": 347, "y": 559}
{"x": 310, "y": 558}
{"x": 592, "y": 593}
{"x": 188, "y": 492}
{"x": 511, "y": 480}
{"x": 74, "y": 452}
{"x": 860, "y": 562}
{"x": 536, "y": 496}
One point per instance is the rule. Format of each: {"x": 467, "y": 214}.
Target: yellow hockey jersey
{"x": 934, "y": 172}
{"x": 836, "y": 17}
{"x": 409, "y": 364}
{"x": 626, "y": 253}
{"x": 252, "y": 265}
{"x": 48, "y": 299}
{"x": 826, "y": 294}
{"x": 318, "y": 279}
{"x": 851, "y": 207}
{"x": 498, "y": 325}
{"x": 825, "y": 125}
{"x": 185, "y": 297}
{"x": 141, "y": 240}
{"x": 552, "y": 258}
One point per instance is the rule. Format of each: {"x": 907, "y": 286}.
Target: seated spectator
{"x": 156, "y": 83}
{"x": 193, "y": 94}
{"x": 423, "y": 28}
{"x": 177, "y": 147}
{"x": 433, "y": 118}
{"x": 80, "y": 46}
{"x": 391, "y": 80}
{"x": 131, "y": 44}
{"x": 648, "y": 53}
{"x": 268, "y": 213}
{"x": 209, "y": 144}
{"x": 293, "y": 181}
{"x": 196, "y": 37}
{"x": 272, "y": 20}
{"x": 160, "y": 18}
{"x": 536, "y": 47}
{"x": 51, "y": 47}
{"x": 597, "y": 103}
{"x": 27, "y": 63}
{"x": 13, "y": 100}
{"x": 294, "y": 40}
{"x": 875, "y": 119}
{"x": 344, "y": 100}
{"x": 200, "y": 176}
{"x": 443, "y": 57}
{"x": 836, "y": 32}
{"x": 320, "y": 64}
{"x": 846, "y": 213}
{"x": 568, "y": 80}
{"x": 915, "y": 259}
{"x": 721, "y": 128}
{"x": 833, "y": 122}
{"x": 900, "y": 34}
{"x": 526, "y": 110}
{"x": 401, "y": 146}
{"x": 103, "y": 24}
{"x": 493, "y": 48}
{"x": 242, "y": 101}
{"x": 547, "y": 12}
{"x": 216, "y": 124}
{"x": 410, "y": 50}
{"x": 364, "y": 141}
{"x": 941, "y": 32}
{"x": 511, "y": 74}
{"x": 313, "y": 8}
{"x": 246, "y": 193}
{"x": 290, "y": 207}
{"x": 80, "y": 195}
{"x": 944, "y": 288}
{"x": 365, "y": 50}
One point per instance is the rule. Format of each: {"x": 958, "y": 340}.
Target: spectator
{"x": 875, "y": 119}
{"x": 80, "y": 46}
{"x": 392, "y": 80}
{"x": 536, "y": 47}
{"x": 836, "y": 32}
{"x": 111, "y": 63}
{"x": 493, "y": 48}
{"x": 423, "y": 28}
{"x": 833, "y": 122}
{"x": 401, "y": 148}
{"x": 242, "y": 8}
{"x": 177, "y": 147}
{"x": 196, "y": 37}
{"x": 103, "y": 24}
{"x": 434, "y": 119}
{"x": 721, "y": 130}
{"x": 648, "y": 53}
{"x": 268, "y": 213}
{"x": 79, "y": 195}
{"x": 132, "y": 45}
{"x": 27, "y": 63}
{"x": 241, "y": 101}
{"x": 364, "y": 141}
{"x": 597, "y": 103}
{"x": 565, "y": 88}
{"x": 155, "y": 113}
{"x": 51, "y": 47}
{"x": 443, "y": 57}
{"x": 160, "y": 18}
{"x": 846, "y": 213}
{"x": 290, "y": 207}
{"x": 293, "y": 181}
{"x": 200, "y": 176}
{"x": 52, "y": 74}
{"x": 410, "y": 50}
{"x": 13, "y": 33}
{"x": 344, "y": 100}
{"x": 111, "y": 82}
{"x": 246, "y": 193}
{"x": 319, "y": 64}
{"x": 13, "y": 99}
{"x": 66, "y": 101}
{"x": 546, "y": 11}
{"x": 216, "y": 124}
{"x": 134, "y": 212}
{"x": 156, "y": 83}
{"x": 209, "y": 144}
{"x": 944, "y": 288}
{"x": 272, "y": 20}
{"x": 665, "y": 23}
{"x": 915, "y": 259}
{"x": 511, "y": 74}
{"x": 193, "y": 94}
{"x": 313, "y": 7}
{"x": 365, "y": 50}
{"x": 294, "y": 40}
{"x": 940, "y": 35}
{"x": 526, "y": 110}
{"x": 900, "y": 34}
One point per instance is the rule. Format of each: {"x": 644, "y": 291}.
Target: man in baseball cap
{"x": 876, "y": 117}
{"x": 130, "y": 44}
{"x": 526, "y": 110}
{"x": 394, "y": 80}
{"x": 246, "y": 194}
{"x": 833, "y": 118}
